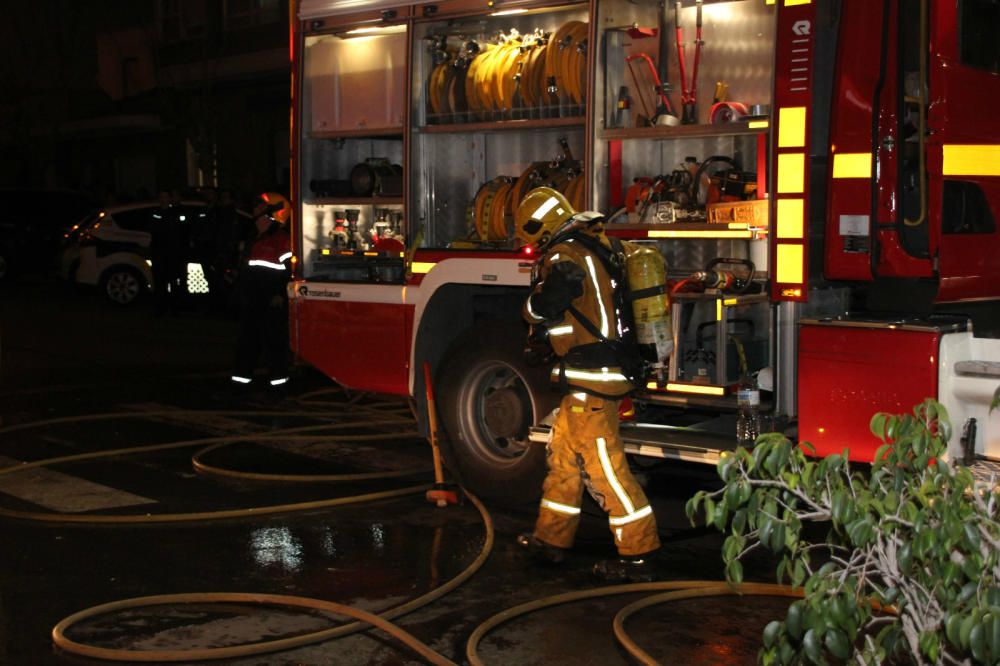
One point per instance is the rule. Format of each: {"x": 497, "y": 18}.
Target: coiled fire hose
{"x": 674, "y": 590}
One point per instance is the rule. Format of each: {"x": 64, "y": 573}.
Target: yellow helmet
{"x": 276, "y": 206}
{"x": 539, "y": 214}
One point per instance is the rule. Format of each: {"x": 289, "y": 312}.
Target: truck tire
{"x": 488, "y": 397}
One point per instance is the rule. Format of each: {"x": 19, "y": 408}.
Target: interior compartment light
{"x": 700, "y": 389}
{"x": 376, "y": 30}
{"x": 690, "y": 233}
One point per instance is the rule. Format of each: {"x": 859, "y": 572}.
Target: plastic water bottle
{"x": 748, "y": 418}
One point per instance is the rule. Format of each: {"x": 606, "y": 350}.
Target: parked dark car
{"x": 32, "y": 227}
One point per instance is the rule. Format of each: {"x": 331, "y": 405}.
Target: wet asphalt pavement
{"x": 66, "y": 354}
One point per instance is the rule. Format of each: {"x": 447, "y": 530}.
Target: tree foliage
{"x": 909, "y": 566}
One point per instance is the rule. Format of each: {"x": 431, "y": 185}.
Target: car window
{"x": 137, "y": 219}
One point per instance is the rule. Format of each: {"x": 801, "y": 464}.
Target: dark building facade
{"x": 122, "y": 98}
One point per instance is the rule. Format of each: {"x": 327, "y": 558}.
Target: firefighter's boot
{"x": 632, "y": 569}
{"x": 539, "y": 550}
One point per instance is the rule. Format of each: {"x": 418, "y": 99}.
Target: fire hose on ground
{"x": 364, "y": 620}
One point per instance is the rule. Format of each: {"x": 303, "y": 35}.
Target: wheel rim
{"x": 496, "y": 413}
{"x": 122, "y": 288}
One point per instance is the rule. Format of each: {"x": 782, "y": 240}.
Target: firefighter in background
{"x": 263, "y": 295}
{"x": 167, "y": 243}
{"x": 578, "y": 294}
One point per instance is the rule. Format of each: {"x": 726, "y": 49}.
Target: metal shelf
{"x": 692, "y": 230}
{"x": 686, "y": 131}
{"x": 728, "y": 299}
{"x": 354, "y": 201}
{"x": 504, "y": 125}
{"x": 386, "y": 133}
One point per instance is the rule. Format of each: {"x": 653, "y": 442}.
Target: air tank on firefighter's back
{"x": 646, "y": 272}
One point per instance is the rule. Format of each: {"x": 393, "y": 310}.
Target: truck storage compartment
{"x": 851, "y": 368}
{"x": 497, "y": 108}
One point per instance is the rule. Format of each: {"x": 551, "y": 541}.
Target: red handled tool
{"x": 663, "y": 107}
{"x": 689, "y": 93}
{"x": 441, "y": 494}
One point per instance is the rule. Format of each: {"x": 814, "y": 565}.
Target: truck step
{"x": 660, "y": 441}
{"x": 689, "y": 444}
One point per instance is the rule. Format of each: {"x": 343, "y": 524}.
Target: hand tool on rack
{"x": 647, "y": 117}
{"x": 663, "y": 87}
{"x": 689, "y": 93}
{"x": 725, "y": 280}
{"x": 663, "y": 109}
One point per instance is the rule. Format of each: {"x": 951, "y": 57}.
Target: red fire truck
{"x": 822, "y": 177}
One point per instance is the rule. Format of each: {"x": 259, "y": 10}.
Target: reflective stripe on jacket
{"x": 566, "y": 333}
{"x": 271, "y": 251}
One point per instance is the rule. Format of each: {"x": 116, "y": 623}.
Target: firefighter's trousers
{"x": 263, "y": 326}
{"x": 586, "y": 451}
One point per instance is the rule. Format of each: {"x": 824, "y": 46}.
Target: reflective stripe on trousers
{"x": 586, "y": 452}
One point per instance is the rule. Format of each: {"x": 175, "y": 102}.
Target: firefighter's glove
{"x": 538, "y": 351}
{"x": 557, "y": 292}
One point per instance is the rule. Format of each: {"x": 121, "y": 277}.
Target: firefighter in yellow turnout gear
{"x": 579, "y": 296}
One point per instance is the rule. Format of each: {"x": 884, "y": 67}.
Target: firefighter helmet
{"x": 276, "y": 207}
{"x": 539, "y": 214}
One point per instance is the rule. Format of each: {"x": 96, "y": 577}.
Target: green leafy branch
{"x": 909, "y": 564}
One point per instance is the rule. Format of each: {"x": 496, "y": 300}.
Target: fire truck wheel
{"x": 488, "y": 399}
